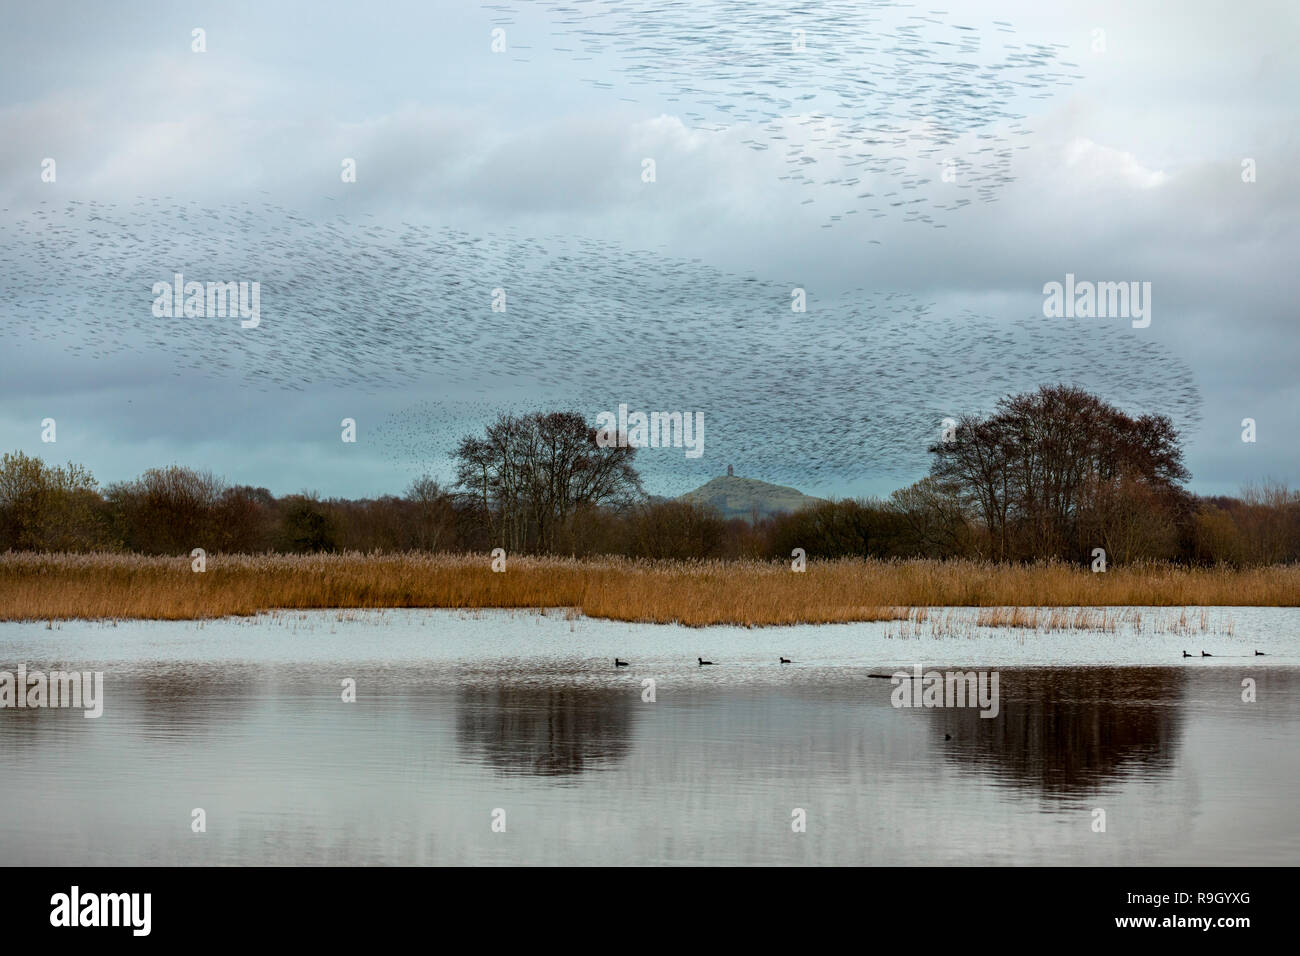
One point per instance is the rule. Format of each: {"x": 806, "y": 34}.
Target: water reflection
{"x": 457, "y": 717}
{"x": 183, "y": 700}
{"x": 1070, "y": 731}
{"x": 549, "y": 731}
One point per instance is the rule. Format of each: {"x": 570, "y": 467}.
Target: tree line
{"x": 1051, "y": 474}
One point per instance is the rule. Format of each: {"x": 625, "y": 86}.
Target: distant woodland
{"x": 1050, "y": 474}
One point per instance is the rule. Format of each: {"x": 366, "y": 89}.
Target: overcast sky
{"x": 1132, "y": 172}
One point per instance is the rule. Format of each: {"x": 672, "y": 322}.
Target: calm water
{"x": 458, "y": 714}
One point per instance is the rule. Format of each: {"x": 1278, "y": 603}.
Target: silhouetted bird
{"x": 1185, "y": 654}
{"x": 618, "y": 663}
{"x": 1260, "y": 654}
{"x": 1203, "y": 654}
{"x": 703, "y": 661}
{"x": 785, "y": 660}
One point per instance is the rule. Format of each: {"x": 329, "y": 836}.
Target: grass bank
{"x": 62, "y": 586}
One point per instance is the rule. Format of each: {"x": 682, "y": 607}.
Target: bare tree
{"x": 168, "y": 510}
{"x": 435, "y": 516}
{"x": 531, "y": 474}
{"x": 1047, "y": 459}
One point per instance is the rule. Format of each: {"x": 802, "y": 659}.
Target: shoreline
{"x": 104, "y": 586}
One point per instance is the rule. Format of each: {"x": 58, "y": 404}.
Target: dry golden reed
{"x": 59, "y": 586}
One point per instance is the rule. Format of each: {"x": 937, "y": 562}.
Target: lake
{"x": 463, "y": 718}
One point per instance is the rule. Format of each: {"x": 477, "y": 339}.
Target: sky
{"x": 1132, "y": 169}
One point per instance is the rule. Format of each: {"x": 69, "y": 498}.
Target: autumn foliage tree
{"x": 47, "y": 507}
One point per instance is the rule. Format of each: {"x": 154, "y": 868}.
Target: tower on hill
{"x": 736, "y": 497}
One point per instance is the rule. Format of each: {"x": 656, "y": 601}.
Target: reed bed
{"x": 748, "y": 593}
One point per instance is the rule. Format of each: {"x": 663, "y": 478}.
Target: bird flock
{"x": 453, "y": 327}
{"x": 856, "y": 386}
{"x": 877, "y": 108}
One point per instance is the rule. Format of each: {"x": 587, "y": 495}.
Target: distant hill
{"x": 737, "y": 497}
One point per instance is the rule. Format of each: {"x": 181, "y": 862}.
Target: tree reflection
{"x": 545, "y": 730}
{"x": 1069, "y": 731}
